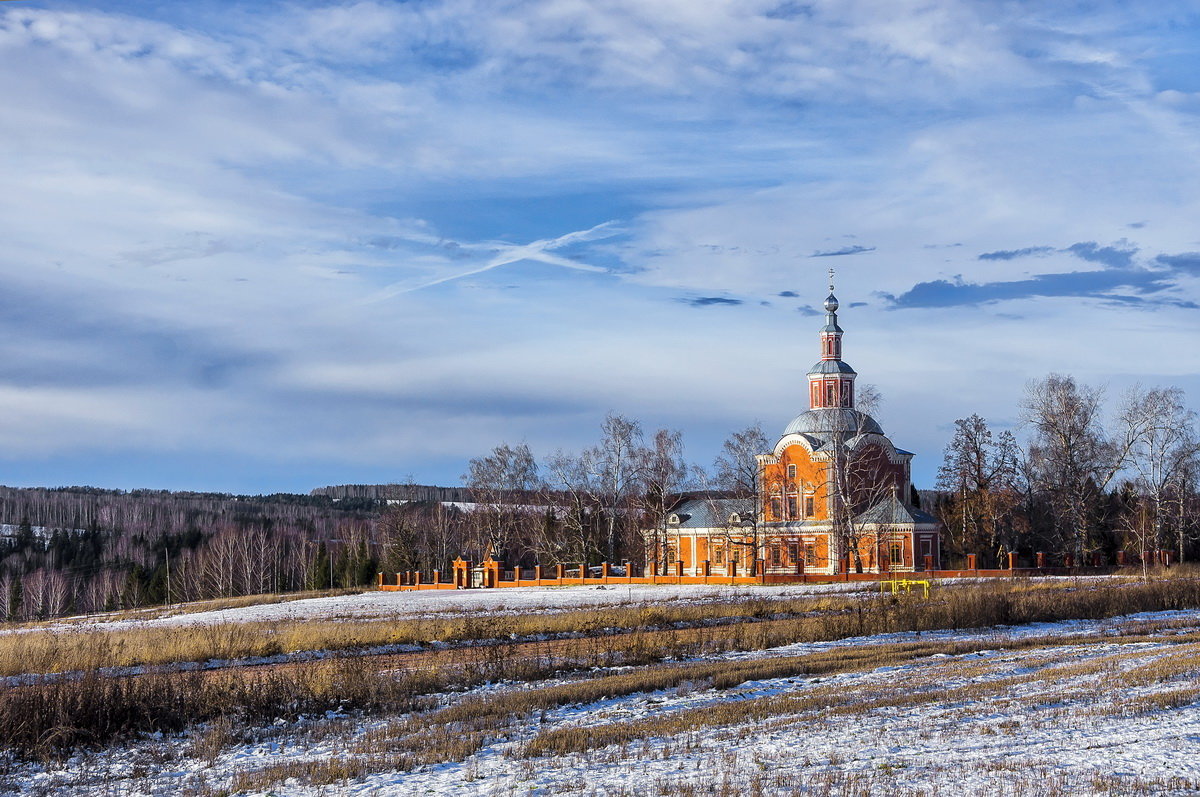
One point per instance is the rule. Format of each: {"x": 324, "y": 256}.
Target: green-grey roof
{"x": 830, "y": 421}
{"x": 714, "y": 513}
{"x": 832, "y": 367}
{"x": 892, "y": 511}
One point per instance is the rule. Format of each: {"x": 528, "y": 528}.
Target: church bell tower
{"x": 831, "y": 381}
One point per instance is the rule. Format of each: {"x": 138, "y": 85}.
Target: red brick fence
{"x": 492, "y": 574}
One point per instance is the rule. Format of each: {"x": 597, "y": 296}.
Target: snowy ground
{"x": 510, "y": 600}
{"x": 1113, "y": 714}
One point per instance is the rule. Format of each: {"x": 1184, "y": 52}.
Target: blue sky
{"x": 270, "y": 246}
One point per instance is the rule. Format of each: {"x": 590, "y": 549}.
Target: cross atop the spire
{"x": 831, "y": 280}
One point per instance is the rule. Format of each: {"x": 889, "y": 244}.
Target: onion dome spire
{"x": 831, "y": 306}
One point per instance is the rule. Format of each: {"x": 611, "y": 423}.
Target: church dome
{"x": 829, "y": 421}
{"x": 832, "y": 367}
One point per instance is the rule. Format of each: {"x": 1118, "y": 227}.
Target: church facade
{"x": 834, "y": 495}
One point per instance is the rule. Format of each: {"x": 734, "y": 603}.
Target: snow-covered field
{"x": 1078, "y": 707}
{"x": 509, "y": 600}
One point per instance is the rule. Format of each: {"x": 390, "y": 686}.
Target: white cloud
{"x": 233, "y": 220}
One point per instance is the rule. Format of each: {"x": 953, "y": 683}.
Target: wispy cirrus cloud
{"x": 1013, "y": 254}
{"x": 855, "y": 249}
{"x": 712, "y": 301}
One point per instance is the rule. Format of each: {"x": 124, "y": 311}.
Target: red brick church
{"x": 835, "y": 495}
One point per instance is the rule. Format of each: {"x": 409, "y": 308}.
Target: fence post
{"x": 1012, "y": 560}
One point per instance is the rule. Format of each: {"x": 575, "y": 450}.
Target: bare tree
{"x": 57, "y": 593}
{"x": 616, "y": 474}
{"x": 664, "y": 473}
{"x": 1162, "y": 456}
{"x": 737, "y": 475}
{"x": 571, "y": 493}
{"x": 501, "y": 483}
{"x": 1073, "y": 457}
{"x": 10, "y": 592}
{"x": 982, "y": 475}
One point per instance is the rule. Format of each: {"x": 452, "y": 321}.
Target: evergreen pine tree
{"x": 318, "y": 573}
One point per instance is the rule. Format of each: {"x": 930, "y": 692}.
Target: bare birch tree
{"x": 500, "y": 484}
{"x": 1163, "y": 455}
{"x": 572, "y": 493}
{"x": 737, "y": 475}
{"x": 616, "y": 475}
{"x": 664, "y": 474}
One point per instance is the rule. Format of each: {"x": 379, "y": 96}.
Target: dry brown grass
{"x": 741, "y": 624}
{"x": 45, "y": 719}
{"x": 86, "y": 648}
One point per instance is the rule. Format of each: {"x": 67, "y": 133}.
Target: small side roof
{"x": 710, "y": 513}
{"x": 892, "y": 511}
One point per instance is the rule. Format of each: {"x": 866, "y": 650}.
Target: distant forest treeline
{"x": 407, "y": 492}
{"x": 82, "y": 549}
